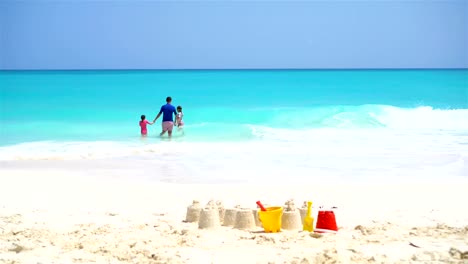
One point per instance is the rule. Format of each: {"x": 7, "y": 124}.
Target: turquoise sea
{"x": 306, "y": 119}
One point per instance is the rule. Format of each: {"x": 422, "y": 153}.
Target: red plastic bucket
{"x": 326, "y": 222}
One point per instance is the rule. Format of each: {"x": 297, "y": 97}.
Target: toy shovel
{"x": 261, "y": 206}
{"x": 308, "y": 219}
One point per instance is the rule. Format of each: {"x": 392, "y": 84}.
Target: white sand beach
{"x": 116, "y": 117}
{"x": 79, "y": 216}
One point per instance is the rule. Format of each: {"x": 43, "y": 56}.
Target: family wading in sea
{"x": 167, "y": 122}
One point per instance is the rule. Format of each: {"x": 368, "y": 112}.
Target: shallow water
{"x": 245, "y": 125}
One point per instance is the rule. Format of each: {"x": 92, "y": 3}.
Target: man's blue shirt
{"x": 167, "y": 111}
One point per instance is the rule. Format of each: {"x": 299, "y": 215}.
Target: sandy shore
{"x": 60, "y": 216}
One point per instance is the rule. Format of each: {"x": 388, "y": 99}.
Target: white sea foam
{"x": 423, "y": 118}
{"x": 301, "y": 155}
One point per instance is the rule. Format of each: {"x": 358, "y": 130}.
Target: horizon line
{"x": 230, "y": 69}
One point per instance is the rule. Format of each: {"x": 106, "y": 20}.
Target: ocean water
{"x": 243, "y": 124}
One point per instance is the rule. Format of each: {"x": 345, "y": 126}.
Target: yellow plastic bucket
{"x": 271, "y": 219}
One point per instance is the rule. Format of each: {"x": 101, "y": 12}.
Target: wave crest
{"x": 369, "y": 116}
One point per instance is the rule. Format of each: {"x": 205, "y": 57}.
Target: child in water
{"x": 143, "y": 123}
{"x": 180, "y": 115}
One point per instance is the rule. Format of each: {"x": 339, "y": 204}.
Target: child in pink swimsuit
{"x": 143, "y": 123}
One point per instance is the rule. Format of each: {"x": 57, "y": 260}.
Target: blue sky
{"x": 136, "y": 34}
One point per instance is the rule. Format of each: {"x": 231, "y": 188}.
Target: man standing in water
{"x": 168, "y": 122}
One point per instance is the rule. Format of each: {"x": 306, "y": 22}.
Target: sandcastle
{"x": 230, "y": 216}
{"x": 209, "y": 216}
{"x": 291, "y": 218}
{"x": 193, "y": 212}
{"x": 244, "y": 219}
